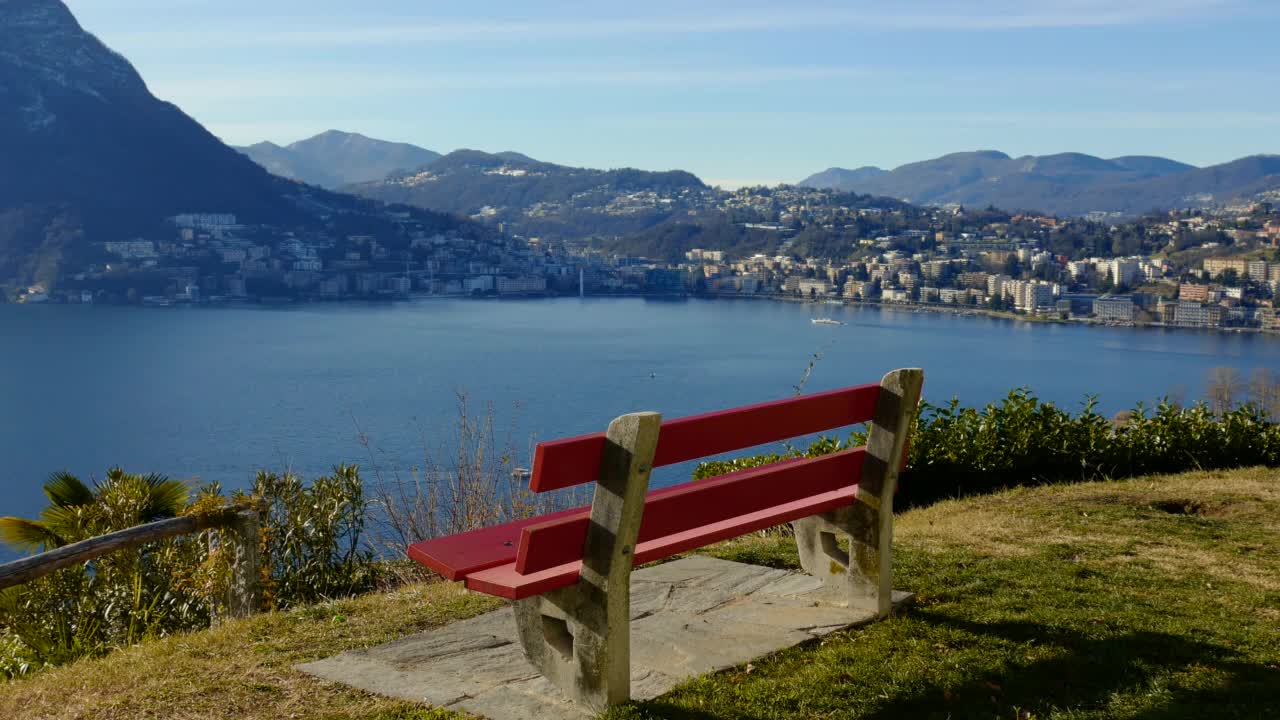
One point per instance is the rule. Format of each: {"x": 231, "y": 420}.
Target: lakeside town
{"x": 1201, "y": 269}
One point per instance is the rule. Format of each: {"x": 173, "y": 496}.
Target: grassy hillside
{"x": 1150, "y": 598}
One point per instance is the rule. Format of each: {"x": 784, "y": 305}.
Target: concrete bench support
{"x": 863, "y": 575}
{"x": 580, "y": 637}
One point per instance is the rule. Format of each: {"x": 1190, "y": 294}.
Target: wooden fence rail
{"x": 239, "y": 536}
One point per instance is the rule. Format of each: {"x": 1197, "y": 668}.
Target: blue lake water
{"x": 218, "y": 393}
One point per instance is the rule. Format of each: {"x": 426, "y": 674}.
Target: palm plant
{"x": 78, "y": 511}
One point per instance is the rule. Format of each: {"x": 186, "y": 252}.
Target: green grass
{"x": 1151, "y": 599}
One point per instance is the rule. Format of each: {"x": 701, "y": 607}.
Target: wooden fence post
{"x": 241, "y": 538}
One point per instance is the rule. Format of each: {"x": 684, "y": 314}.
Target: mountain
{"x": 1152, "y": 166}
{"x": 88, "y": 154}
{"x": 78, "y": 125}
{"x": 535, "y": 198}
{"x": 838, "y": 178}
{"x": 87, "y": 147}
{"x": 1066, "y": 183}
{"x": 334, "y": 158}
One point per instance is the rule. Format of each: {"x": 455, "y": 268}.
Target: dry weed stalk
{"x": 467, "y": 480}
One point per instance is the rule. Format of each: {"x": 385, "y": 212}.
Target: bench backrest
{"x": 694, "y": 514}
{"x": 574, "y": 461}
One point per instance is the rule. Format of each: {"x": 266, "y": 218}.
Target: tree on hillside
{"x": 1012, "y": 267}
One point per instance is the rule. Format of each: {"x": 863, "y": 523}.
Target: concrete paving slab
{"x": 689, "y": 617}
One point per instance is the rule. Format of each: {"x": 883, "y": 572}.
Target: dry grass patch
{"x": 1176, "y": 514}
{"x": 990, "y": 530}
{"x": 244, "y": 669}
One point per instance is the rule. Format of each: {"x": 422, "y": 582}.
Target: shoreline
{"x": 909, "y": 307}
{"x": 969, "y": 311}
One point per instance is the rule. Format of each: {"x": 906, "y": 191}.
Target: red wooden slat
{"x": 574, "y": 461}
{"x": 505, "y": 582}
{"x": 457, "y": 555}
{"x": 693, "y": 505}
{"x": 568, "y": 462}
{"x": 718, "y": 432}
{"x": 694, "y": 538}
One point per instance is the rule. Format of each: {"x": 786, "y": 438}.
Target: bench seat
{"x": 457, "y": 556}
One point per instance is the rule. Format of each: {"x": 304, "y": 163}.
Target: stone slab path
{"x": 689, "y": 617}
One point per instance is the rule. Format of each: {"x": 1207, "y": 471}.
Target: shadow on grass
{"x": 1128, "y": 675}
{"x": 1089, "y": 674}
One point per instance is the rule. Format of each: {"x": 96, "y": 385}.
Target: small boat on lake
{"x": 825, "y": 321}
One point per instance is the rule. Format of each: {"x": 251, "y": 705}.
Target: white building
{"x": 1114, "y": 308}
{"x": 813, "y": 286}
{"x": 131, "y": 249}
{"x": 698, "y": 254}
{"x": 1125, "y": 271}
{"x": 1032, "y": 295}
{"x": 479, "y": 283}
{"x": 1078, "y": 269}
{"x": 1257, "y": 270}
{"x": 519, "y": 285}
{"x": 855, "y": 289}
{"x": 1194, "y": 314}
{"x": 205, "y": 221}
{"x": 996, "y": 285}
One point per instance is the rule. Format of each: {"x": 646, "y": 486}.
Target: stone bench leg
{"x": 863, "y": 576}
{"x": 579, "y": 637}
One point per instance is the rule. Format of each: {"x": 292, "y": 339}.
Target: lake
{"x": 219, "y": 393}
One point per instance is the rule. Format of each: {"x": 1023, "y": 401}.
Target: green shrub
{"x": 313, "y": 536}
{"x": 1020, "y": 440}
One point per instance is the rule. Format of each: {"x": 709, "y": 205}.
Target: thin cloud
{"x": 322, "y": 83}
{"x": 951, "y": 17}
{"x": 1013, "y": 120}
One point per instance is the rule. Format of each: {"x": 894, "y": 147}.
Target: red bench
{"x": 569, "y": 572}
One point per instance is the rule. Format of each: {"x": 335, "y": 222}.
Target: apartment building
{"x": 1114, "y": 308}
{"x": 1193, "y": 292}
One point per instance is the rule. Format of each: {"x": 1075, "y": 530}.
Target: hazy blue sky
{"x": 742, "y": 92}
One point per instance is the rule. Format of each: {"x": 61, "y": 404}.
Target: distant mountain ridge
{"x": 465, "y": 180}
{"x": 1065, "y": 183}
{"x": 334, "y": 158}
{"x": 837, "y": 178}
{"x": 535, "y": 198}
